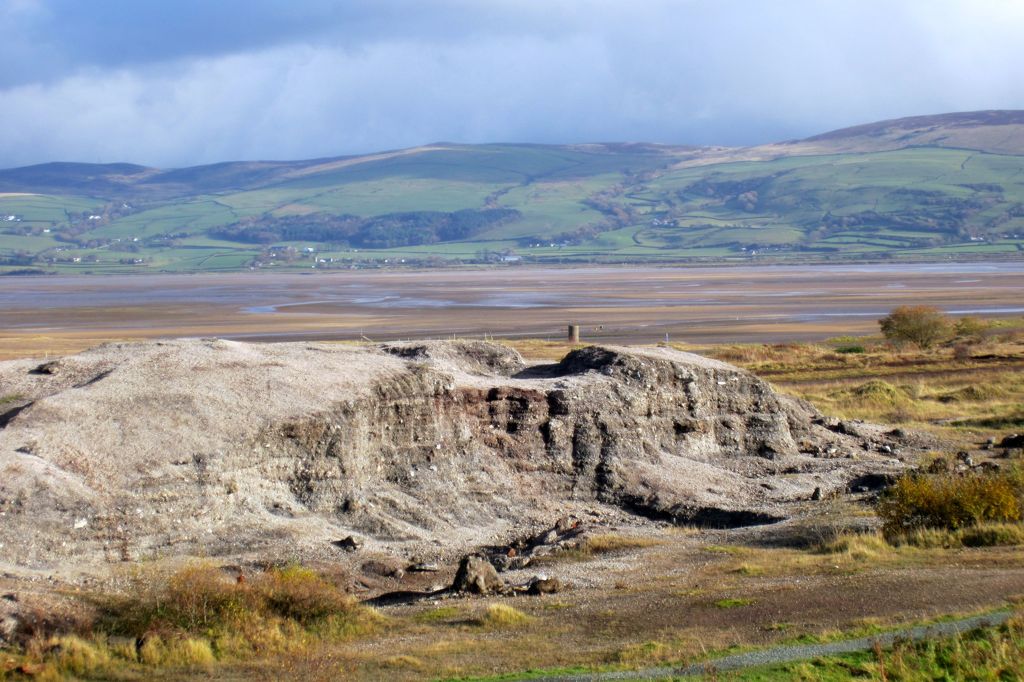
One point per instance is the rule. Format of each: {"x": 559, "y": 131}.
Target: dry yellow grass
{"x": 860, "y": 547}
{"x": 501, "y": 616}
{"x": 979, "y": 386}
{"x": 614, "y": 542}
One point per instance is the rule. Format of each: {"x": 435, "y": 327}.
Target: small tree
{"x": 921, "y": 325}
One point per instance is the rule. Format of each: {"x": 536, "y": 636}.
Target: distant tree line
{"x": 382, "y": 231}
{"x": 940, "y": 215}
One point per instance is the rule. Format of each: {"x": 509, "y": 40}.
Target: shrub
{"x": 921, "y": 325}
{"x": 850, "y": 349}
{"x": 962, "y": 351}
{"x": 274, "y": 610}
{"x": 970, "y": 328}
{"x": 301, "y": 595}
{"x": 197, "y": 598}
{"x": 949, "y": 501}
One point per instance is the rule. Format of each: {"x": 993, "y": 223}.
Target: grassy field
{"x": 575, "y": 205}
{"x": 964, "y": 391}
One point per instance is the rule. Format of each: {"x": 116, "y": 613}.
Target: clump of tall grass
{"x": 501, "y": 616}
{"x": 880, "y": 393}
{"x": 858, "y": 546}
{"x": 875, "y": 546}
{"x": 993, "y": 653}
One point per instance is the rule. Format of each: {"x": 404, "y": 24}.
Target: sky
{"x": 174, "y": 83}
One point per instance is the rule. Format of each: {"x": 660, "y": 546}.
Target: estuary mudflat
{"x": 636, "y": 305}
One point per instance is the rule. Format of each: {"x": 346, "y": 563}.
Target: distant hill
{"x": 921, "y": 187}
{"x": 997, "y": 132}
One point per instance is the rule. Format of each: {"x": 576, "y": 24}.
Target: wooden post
{"x": 574, "y": 333}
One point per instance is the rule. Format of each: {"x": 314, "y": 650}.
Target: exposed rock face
{"x": 223, "y": 448}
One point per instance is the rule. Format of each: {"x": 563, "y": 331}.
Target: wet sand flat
{"x": 613, "y": 304}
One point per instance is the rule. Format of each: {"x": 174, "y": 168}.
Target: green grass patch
{"x": 439, "y": 614}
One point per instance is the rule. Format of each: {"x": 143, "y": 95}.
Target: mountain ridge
{"x": 108, "y": 172}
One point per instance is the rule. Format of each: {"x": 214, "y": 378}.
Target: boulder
{"x": 1015, "y": 440}
{"x": 349, "y": 544}
{"x": 476, "y": 575}
{"x": 543, "y": 585}
{"x": 10, "y": 620}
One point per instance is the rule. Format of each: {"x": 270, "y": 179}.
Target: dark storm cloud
{"x": 189, "y": 81}
{"x": 60, "y": 36}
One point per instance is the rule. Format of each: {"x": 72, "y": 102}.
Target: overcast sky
{"x": 182, "y": 82}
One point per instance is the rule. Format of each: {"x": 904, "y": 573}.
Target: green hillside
{"x": 866, "y": 193}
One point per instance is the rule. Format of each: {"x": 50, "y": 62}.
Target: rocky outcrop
{"x": 424, "y": 449}
{"x": 476, "y": 575}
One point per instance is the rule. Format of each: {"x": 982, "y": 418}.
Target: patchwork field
{"x": 897, "y": 190}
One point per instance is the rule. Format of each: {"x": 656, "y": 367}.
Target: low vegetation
{"x": 500, "y": 616}
{"x": 614, "y": 542}
{"x": 594, "y": 545}
{"x": 950, "y": 501}
{"x": 198, "y": 616}
{"x": 957, "y": 388}
{"x": 921, "y": 325}
{"x": 989, "y": 653}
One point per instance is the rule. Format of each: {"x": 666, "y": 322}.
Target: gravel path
{"x": 787, "y": 654}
